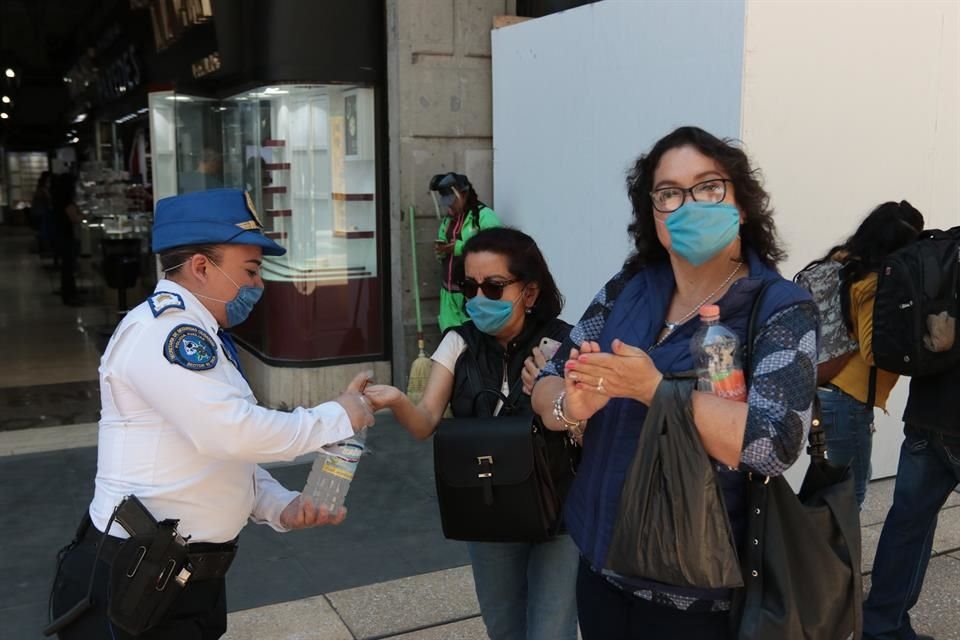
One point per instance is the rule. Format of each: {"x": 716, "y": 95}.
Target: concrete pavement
{"x": 386, "y": 572}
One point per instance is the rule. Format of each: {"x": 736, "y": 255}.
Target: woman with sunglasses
{"x": 703, "y": 233}
{"x": 526, "y": 590}
{"x": 462, "y": 215}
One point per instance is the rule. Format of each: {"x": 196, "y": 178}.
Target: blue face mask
{"x": 490, "y": 316}
{"x": 240, "y": 307}
{"x": 700, "y": 230}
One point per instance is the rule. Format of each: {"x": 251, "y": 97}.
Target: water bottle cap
{"x": 709, "y": 311}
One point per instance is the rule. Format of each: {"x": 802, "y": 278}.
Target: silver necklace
{"x": 671, "y": 326}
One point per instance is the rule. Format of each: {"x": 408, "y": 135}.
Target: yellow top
{"x": 854, "y": 379}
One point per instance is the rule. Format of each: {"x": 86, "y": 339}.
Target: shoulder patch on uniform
{"x": 190, "y": 347}
{"x": 163, "y": 300}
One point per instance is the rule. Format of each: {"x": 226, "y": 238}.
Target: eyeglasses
{"x": 669, "y": 199}
{"x": 492, "y": 290}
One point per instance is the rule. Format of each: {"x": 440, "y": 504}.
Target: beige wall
{"x": 846, "y": 105}
{"x": 439, "y": 90}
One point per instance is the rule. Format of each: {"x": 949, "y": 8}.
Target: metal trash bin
{"x": 121, "y": 266}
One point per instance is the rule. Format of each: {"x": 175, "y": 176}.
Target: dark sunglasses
{"x": 492, "y": 290}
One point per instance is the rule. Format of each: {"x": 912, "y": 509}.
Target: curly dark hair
{"x": 757, "y": 232}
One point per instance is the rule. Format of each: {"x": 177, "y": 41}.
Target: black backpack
{"x": 916, "y": 306}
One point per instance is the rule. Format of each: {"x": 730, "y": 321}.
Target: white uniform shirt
{"x": 187, "y": 442}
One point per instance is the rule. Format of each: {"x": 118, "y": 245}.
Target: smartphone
{"x": 549, "y": 347}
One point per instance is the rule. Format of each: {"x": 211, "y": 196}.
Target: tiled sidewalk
{"x": 386, "y": 572}
{"x": 410, "y": 608}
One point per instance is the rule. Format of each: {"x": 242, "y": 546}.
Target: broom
{"x": 420, "y": 369}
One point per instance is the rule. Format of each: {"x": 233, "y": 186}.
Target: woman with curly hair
{"x": 703, "y": 234}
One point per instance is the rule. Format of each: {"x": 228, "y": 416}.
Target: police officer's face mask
{"x": 240, "y": 307}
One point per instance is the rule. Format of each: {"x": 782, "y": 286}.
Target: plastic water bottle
{"x": 333, "y": 470}
{"x": 716, "y": 355}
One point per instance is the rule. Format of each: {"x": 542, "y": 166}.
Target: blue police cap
{"x": 217, "y": 216}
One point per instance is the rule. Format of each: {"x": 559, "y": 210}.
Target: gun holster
{"x": 148, "y": 573}
{"x": 149, "y": 570}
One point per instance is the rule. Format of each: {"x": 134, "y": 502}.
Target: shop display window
{"x": 306, "y": 154}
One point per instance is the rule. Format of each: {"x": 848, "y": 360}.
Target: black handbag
{"x": 801, "y": 561}
{"x": 502, "y": 479}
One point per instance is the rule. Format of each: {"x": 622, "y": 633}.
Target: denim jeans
{"x": 527, "y": 591}
{"x": 929, "y": 470}
{"x": 848, "y": 427}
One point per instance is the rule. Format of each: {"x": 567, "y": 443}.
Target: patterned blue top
{"x": 776, "y": 426}
{"x": 779, "y": 402}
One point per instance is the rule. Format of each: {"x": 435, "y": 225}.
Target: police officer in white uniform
{"x": 180, "y": 428}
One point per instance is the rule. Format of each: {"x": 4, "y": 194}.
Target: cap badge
{"x": 255, "y": 223}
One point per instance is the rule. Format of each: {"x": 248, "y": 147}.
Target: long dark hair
{"x": 890, "y": 226}
{"x": 757, "y": 231}
{"x": 525, "y": 262}
{"x": 881, "y": 233}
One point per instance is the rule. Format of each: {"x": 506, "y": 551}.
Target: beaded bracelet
{"x": 574, "y": 427}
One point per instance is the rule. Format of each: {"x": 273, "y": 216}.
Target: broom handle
{"x": 416, "y": 278}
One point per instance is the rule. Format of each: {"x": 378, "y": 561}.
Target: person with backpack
{"x": 929, "y": 466}
{"x": 463, "y": 216}
{"x": 843, "y": 283}
{"x": 928, "y": 471}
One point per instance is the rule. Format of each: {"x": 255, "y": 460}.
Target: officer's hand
{"x": 357, "y": 407}
{"x": 301, "y": 513}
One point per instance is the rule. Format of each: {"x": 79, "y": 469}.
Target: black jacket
{"x": 480, "y": 368}
{"x": 934, "y": 402}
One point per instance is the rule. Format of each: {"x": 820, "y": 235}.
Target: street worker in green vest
{"x": 463, "y": 216}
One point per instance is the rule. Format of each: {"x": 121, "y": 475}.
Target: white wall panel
{"x": 846, "y": 105}
{"x": 578, "y": 95}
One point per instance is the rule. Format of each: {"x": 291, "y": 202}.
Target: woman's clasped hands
{"x": 592, "y": 377}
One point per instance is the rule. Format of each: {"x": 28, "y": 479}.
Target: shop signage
{"x": 171, "y": 17}
{"x": 206, "y": 65}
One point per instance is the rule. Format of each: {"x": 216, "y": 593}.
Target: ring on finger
{"x": 600, "y": 385}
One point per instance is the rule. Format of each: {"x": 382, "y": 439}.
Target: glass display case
{"x": 306, "y": 154}
{"x": 115, "y": 229}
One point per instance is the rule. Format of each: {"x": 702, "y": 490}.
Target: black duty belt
{"x": 208, "y": 560}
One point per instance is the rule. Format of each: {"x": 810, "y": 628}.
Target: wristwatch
{"x": 574, "y": 427}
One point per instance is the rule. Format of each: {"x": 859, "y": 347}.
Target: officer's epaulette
{"x": 163, "y": 300}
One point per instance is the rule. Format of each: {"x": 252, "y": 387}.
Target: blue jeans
{"x": 929, "y": 470}
{"x": 848, "y": 427}
{"x": 527, "y": 591}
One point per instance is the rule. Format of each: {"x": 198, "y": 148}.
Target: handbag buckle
{"x": 486, "y": 475}
{"x": 489, "y": 461}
